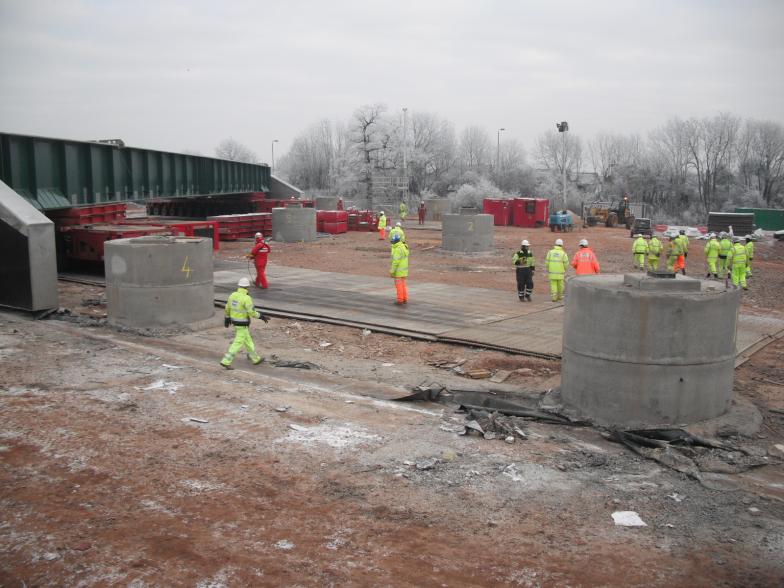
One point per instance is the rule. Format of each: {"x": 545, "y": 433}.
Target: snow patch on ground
{"x": 335, "y": 436}
{"x": 199, "y": 486}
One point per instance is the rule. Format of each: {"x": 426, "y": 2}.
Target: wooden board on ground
{"x": 437, "y": 312}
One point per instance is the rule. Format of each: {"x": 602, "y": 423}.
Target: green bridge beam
{"x": 61, "y": 173}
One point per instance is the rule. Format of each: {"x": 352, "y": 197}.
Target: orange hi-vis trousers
{"x": 680, "y": 263}
{"x": 382, "y": 233}
{"x": 402, "y": 290}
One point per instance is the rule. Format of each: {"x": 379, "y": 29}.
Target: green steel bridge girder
{"x": 61, "y": 173}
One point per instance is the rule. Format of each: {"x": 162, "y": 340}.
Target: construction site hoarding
{"x": 767, "y": 219}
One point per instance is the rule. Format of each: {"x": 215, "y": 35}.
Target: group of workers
{"x": 725, "y": 255}
{"x": 556, "y": 262}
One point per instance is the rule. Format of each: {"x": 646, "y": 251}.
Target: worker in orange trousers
{"x": 259, "y": 256}
{"x": 382, "y": 226}
{"x": 399, "y": 268}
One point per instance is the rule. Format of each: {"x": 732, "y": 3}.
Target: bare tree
{"x": 710, "y": 143}
{"x": 475, "y": 152}
{"x": 366, "y": 123}
{"x": 766, "y": 159}
{"x": 608, "y": 151}
{"x": 233, "y": 150}
{"x": 551, "y": 155}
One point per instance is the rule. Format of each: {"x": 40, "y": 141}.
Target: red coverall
{"x": 340, "y": 204}
{"x": 421, "y": 212}
{"x": 259, "y": 255}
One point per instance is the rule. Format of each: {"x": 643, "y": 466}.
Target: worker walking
{"x": 654, "y": 251}
{"x": 640, "y": 251}
{"x": 712, "y": 255}
{"x": 421, "y": 212}
{"x": 340, "y": 204}
{"x": 524, "y": 263}
{"x": 403, "y": 211}
{"x": 584, "y": 261}
{"x": 725, "y": 246}
{"x": 556, "y": 262}
{"x": 674, "y": 252}
{"x": 684, "y": 241}
{"x": 259, "y": 255}
{"x": 749, "y": 254}
{"x": 239, "y": 311}
{"x": 382, "y": 226}
{"x": 399, "y": 269}
{"x": 736, "y": 259}
{"x": 397, "y": 230}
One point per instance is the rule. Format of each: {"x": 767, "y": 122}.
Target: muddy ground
{"x": 299, "y": 479}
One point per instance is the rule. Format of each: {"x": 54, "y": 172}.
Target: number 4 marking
{"x": 186, "y": 269}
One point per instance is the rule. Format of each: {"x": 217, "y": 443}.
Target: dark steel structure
{"x": 62, "y": 173}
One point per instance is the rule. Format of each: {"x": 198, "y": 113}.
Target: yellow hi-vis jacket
{"x": 684, "y": 241}
{"x": 399, "y": 267}
{"x": 654, "y": 247}
{"x": 725, "y": 246}
{"x": 556, "y": 261}
{"x": 640, "y": 246}
{"x": 750, "y": 250}
{"x": 239, "y": 308}
{"x": 382, "y": 222}
{"x": 712, "y": 249}
{"x": 737, "y": 255}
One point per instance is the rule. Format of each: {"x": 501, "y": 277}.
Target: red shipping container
{"x": 500, "y": 209}
{"x": 530, "y": 212}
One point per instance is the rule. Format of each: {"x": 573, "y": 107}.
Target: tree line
{"x": 683, "y": 169}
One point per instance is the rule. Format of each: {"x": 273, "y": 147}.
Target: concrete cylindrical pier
{"x": 646, "y": 351}
{"x": 437, "y": 208}
{"x": 159, "y": 281}
{"x": 326, "y": 203}
{"x": 294, "y": 225}
{"x": 467, "y": 233}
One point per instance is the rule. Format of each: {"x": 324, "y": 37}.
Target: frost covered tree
{"x": 233, "y": 150}
{"x": 551, "y": 154}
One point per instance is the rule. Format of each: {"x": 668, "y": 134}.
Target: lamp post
{"x": 405, "y": 163}
{"x": 272, "y": 171}
{"x": 498, "y": 152}
{"x": 562, "y": 127}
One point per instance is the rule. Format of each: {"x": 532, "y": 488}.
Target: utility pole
{"x": 405, "y": 163}
{"x": 498, "y": 152}
{"x": 272, "y": 171}
{"x": 562, "y": 127}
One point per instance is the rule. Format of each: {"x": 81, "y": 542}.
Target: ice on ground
{"x": 284, "y": 544}
{"x": 627, "y": 518}
{"x": 335, "y": 436}
{"x": 170, "y": 387}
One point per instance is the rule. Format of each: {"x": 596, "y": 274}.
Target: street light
{"x": 405, "y": 163}
{"x": 563, "y": 127}
{"x": 498, "y": 151}
{"x": 272, "y": 171}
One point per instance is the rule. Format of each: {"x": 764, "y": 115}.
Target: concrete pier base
{"x": 293, "y": 224}
{"x": 159, "y": 281}
{"x": 641, "y": 351}
{"x": 467, "y": 233}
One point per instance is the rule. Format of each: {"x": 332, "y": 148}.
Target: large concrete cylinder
{"x": 293, "y": 225}
{"x": 467, "y": 233}
{"x": 326, "y": 203}
{"x": 646, "y": 351}
{"x": 436, "y": 208}
{"x": 159, "y": 281}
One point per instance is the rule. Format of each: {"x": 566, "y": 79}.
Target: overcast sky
{"x": 177, "y": 74}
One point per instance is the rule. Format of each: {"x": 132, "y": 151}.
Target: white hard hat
{"x": 381, "y": 212}
{"x": 524, "y": 242}
{"x": 559, "y": 242}
{"x": 258, "y": 235}
{"x": 244, "y": 283}
{"x": 397, "y": 224}
{"x": 583, "y": 242}
{"x": 747, "y": 237}
{"x": 638, "y": 235}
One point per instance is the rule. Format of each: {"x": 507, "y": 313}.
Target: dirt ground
{"x": 299, "y": 479}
